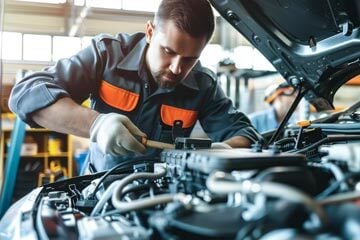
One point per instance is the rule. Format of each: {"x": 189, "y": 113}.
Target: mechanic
{"x": 280, "y": 97}
{"x": 138, "y": 85}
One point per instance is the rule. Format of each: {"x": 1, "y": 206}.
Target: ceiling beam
{"x": 76, "y": 18}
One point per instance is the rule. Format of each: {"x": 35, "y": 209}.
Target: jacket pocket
{"x": 117, "y": 97}
{"x": 169, "y": 114}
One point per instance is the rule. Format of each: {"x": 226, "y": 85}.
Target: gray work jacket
{"x": 112, "y": 73}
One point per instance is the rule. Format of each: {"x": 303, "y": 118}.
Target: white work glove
{"x": 220, "y": 145}
{"x": 114, "y": 134}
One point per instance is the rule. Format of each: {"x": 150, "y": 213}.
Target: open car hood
{"x": 312, "y": 43}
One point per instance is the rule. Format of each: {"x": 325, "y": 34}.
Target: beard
{"x": 166, "y": 79}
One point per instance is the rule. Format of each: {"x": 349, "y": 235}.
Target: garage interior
{"x": 35, "y": 34}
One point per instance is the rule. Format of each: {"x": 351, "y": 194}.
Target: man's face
{"x": 171, "y": 53}
{"x": 288, "y": 96}
{"x": 283, "y": 102}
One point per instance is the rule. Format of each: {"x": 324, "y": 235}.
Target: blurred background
{"x": 37, "y": 33}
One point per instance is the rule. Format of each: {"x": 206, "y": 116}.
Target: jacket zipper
{"x": 145, "y": 96}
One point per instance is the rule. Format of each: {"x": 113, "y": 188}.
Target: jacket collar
{"x": 190, "y": 80}
{"x": 135, "y": 61}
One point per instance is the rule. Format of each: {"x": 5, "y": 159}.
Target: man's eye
{"x": 167, "y": 51}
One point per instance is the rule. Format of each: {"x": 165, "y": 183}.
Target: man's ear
{"x": 149, "y": 31}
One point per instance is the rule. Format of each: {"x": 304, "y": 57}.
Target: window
{"x": 261, "y": 63}
{"x": 139, "y": 5}
{"x": 250, "y": 58}
{"x": 114, "y": 4}
{"x": 79, "y": 2}
{"x": 132, "y": 5}
{"x": 12, "y": 46}
{"x": 45, "y": 1}
{"x": 65, "y": 47}
{"x": 37, "y": 47}
{"x": 212, "y": 55}
{"x": 243, "y": 57}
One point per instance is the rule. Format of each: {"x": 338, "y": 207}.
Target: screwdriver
{"x": 154, "y": 144}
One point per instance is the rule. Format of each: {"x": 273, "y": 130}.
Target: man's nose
{"x": 175, "y": 65}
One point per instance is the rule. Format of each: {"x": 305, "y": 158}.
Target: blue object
{"x": 80, "y": 158}
{"x": 12, "y": 165}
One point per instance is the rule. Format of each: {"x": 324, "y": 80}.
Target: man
{"x": 280, "y": 97}
{"x": 139, "y": 85}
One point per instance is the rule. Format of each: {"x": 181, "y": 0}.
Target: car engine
{"x": 303, "y": 186}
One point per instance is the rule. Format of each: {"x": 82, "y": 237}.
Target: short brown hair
{"x": 194, "y": 17}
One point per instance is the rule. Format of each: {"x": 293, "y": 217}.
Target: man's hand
{"x": 114, "y": 134}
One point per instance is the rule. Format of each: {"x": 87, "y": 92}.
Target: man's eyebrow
{"x": 173, "y": 51}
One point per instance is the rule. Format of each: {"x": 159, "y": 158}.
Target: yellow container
{"x": 54, "y": 145}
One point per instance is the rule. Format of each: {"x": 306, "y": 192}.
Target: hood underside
{"x": 312, "y": 43}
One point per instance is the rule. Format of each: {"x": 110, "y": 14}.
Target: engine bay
{"x": 303, "y": 186}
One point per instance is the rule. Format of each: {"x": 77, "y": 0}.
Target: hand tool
{"x": 154, "y": 144}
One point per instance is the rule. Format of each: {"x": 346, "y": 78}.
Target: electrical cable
{"x": 337, "y": 173}
{"x": 146, "y": 202}
{"x": 219, "y": 183}
{"x": 333, "y": 187}
{"x": 123, "y": 182}
{"x": 328, "y": 139}
{"x": 136, "y": 188}
{"x": 285, "y": 141}
{"x": 105, "y": 197}
{"x": 341, "y": 197}
{"x": 131, "y": 162}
